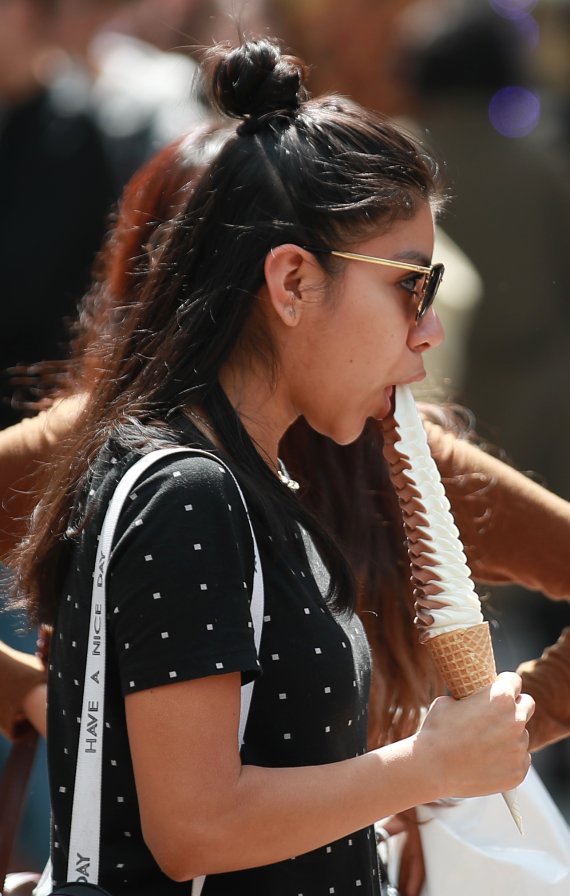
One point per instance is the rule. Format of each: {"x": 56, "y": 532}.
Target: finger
{"x": 412, "y": 869}
{"x": 525, "y": 707}
{"x": 389, "y": 826}
{"x": 507, "y": 683}
{"x": 415, "y": 876}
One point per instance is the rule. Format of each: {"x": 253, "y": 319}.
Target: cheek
{"x": 393, "y": 343}
{"x": 358, "y": 340}
{"x": 380, "y": 339}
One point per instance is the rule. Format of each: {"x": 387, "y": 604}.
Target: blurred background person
{"x": 55, "y": 191}
{"x": 470, "y": 74}
{"x": 83, "y": 103}
{"x": 551, "y": 70}
{"x": 129, "y": 63}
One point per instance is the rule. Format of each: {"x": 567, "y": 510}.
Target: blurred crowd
{"x": 90, "y": 89}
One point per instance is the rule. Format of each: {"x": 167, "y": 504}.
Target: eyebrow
{"x": 413, "y": 256}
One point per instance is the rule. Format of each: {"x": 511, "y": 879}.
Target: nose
{"x": 426, "y": 333}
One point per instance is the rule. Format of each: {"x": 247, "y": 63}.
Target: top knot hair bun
{"x": 256, "y": 81}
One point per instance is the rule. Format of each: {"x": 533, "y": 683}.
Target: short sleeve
{"x": 180, "y": 577}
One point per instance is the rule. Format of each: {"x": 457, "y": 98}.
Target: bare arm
{"x": 22, "y": 690}
{"x": 203, "y": 812}
{"x": 548, "y": 680}
{"x": 25, "y": 448}
{"x": 35, "y": 708}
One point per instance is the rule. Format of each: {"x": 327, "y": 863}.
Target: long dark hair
{"x": 320, "y": 172}
{"x": 146, "y": 213}
{"x": 348, "y": 489}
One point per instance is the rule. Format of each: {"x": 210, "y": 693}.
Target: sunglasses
{"x": 427, "y": 287}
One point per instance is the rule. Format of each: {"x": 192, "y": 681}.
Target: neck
{"x": 262, "y": 407}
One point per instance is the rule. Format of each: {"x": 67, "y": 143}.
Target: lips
{"x": 390, "y": 391}
{"x": 417, "y": 378}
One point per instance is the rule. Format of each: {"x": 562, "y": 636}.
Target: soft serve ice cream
{"x": 436, "y": 553}
{"x": 455, "y": 633}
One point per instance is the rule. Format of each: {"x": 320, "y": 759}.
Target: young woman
{"x": 249, "y": 317}
{"x": 513, "y": 530}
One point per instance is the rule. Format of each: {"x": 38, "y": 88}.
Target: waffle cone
{"x": 465, "y": 659}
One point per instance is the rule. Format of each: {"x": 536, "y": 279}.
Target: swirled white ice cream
{"x": 439, "y": 557}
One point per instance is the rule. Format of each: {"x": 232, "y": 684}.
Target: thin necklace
{"x": 280, "y": 471}
{"x": 284, "y": 477}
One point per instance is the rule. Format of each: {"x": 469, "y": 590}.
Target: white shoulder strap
{"x": 83, "y": 863}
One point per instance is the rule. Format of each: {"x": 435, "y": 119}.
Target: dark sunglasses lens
{"x": 432, "y": 284}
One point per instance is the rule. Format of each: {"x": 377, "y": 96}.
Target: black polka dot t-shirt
{"x": 178, "y": 591}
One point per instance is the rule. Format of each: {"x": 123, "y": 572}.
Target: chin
{"x": 341, "y": 428}
{"x": 346, "y": 435}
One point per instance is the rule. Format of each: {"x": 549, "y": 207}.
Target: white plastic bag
{"x": 473, "y": 848}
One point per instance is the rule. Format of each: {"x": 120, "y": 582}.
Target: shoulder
{"x": 195, "y": 473}
{"x": 183, "y": 517}
{"x": 184, "y": 493}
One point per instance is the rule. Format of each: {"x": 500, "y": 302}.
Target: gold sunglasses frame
{"x": 437, "y": 269}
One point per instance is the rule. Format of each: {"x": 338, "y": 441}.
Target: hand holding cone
{"x": 449, "y": 611}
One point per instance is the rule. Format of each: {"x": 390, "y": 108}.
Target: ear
{"x": 291, "y": 275}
